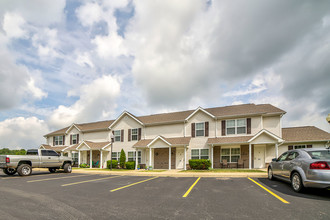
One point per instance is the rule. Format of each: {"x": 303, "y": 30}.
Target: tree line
{"x": 7, "y": 151}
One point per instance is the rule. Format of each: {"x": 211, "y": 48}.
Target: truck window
{"x": 32, "y": 152}
{"x": 52, "y": 153}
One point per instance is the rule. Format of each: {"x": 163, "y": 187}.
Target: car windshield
{"x": 320, "y": 154}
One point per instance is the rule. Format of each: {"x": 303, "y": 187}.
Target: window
{"x": 75, "y": 157}
{"x": 230, "y": 154}
{"x": 299, "y": 146}
{"x": 236, "y": 126}
{"x": 292, "y": 156}
{"x": 58, "y": 140}
{"x": 134, "y": 134}
{"x": 320, "y": 154}
{"x": 115, "y": 156}
{"x": 32, "y": 152}
{"x": 131, "y": 156}
{"x": 199, "y": 153}
{"x": 49, "y": 153}
{"x": 200, "y": 129}
{"x": 117, "y": 135}
{"x": 74, "y": 139}
{"x": 283, "y": 156}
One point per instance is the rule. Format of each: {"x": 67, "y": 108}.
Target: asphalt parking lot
{"x": 86, "y": 196}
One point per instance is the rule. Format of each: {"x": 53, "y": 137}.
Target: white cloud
{"x": 89, "y": 14}
{"x": 22, "y": 132}
{"x": 97, "y": 101}
{"x": 13, "y": 25}
{"x": 84, "y": 60}
{"x": 46, "y": 42}
{"x": 110, "y": 46}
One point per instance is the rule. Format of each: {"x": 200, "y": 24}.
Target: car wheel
{"x": 9, "y": 171}
{"x": 270, "y": 173}
{"x": 67, "y": 168}
{"x": 296, "y": 182}
{"x": 52, "y": 170}
{"x": 24, "y": 170}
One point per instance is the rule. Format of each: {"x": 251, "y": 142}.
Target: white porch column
{"x": 79, "y": 158}
{"x": 169, "y": 158}
{"x": 90, "y": 159}
{"x": 276, "y": 150}
{"x": 211, "y": 156}
{"x": 136, "y": 158}
{"x": 185, "y": 158}
{"x": 101, "y": 159}
{"x": 149, "y": 156}
{"x": 250, "y": 156}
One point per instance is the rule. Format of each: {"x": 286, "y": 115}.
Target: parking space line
{"x": 31, "y": 181}
{"x": 87, "y": 181}
{"x": 14, "y": 177}
{"x": 133, "y": 184}
{"x": 192, "y": 186}
{"x": 273, "y": 194}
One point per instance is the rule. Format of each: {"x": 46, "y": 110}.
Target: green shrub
{"x": 84, "y": 165}
{"x": 130, "y": 165}
{"x": 114, "y": 163}
{"x": 122, "y": 158}
{"x": 199, "y": 164}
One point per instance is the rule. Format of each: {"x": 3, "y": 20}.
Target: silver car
{"x": 309, "y": 167}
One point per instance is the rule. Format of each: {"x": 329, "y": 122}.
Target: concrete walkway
{"x": 173, "y": 173}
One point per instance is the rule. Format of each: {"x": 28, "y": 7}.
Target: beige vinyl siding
{"x": 272, "y": 124}
{"x": 170, "y": 130}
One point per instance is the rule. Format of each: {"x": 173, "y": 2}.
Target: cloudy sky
{"x": 82, "y": 61}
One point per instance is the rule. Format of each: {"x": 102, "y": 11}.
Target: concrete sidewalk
{"x": 173, "y": 173}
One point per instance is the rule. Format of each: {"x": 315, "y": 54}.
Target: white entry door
{"x": 179, "y": 158}
{"x": 259, "y": 157}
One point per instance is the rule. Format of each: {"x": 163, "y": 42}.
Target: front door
{"x": 259, "y": 157}
{"x": 179, "y": 158}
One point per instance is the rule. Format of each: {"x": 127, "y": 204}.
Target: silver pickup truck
{"x": 37, "y": 158}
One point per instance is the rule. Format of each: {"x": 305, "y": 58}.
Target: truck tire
{"x": 9, "y": 171}
{"x": 52, "y": 170}
{"x": 67, "y": 168}
{"x": 24, "y": 170}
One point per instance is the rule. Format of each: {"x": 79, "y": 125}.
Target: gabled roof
{"x": 304, "y": 134}
{"x": 122, "y": 115}
{"x": 72, "y": 126}
{"x": 229, "y": 140}
{"x": 264, "y": 131}
{"x": 197, "y": 110}
{"x": 48, "y": 147}
{"x": 177, "y": 141}
{"x": 91, "y": 145}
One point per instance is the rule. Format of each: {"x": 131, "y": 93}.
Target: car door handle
{"x": 49, "y": 158}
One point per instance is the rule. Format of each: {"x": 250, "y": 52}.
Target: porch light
{"x": 111, "y": 141}
{"x": 328, "y": 118}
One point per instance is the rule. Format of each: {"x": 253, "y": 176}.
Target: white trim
{"x": 250, "y": 156}
{"x": 81, "y": 144}
{"x": 185, "y": 158}
{"x": 155, "y": 139}
{"x": 73, "y": 125}
{"x": 169, "y": 158}
{"x": 267, "y": 132}
{"x": 236, "y": 126}
{"x": 121, "y": 115}
{"x": 199, "y": 109}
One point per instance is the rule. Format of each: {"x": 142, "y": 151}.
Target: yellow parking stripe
{"x": 192, "y": 186}
{"x": 87, "y": 181}
{"x": 133, "y": 184}
{"x": 273, "y": 194}
{"x": 31, "y": 181}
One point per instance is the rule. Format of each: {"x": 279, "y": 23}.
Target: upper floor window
{"x": 200, "y": 129}
{"x": 134, "y": 134}
{"x": 117, "y": 134}
{"x": 74, "y": 139}
{"x": 236, "y": 126}
{"x": 58, "y": 140}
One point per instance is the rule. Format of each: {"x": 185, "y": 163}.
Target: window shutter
{"x": 54, "y": 141}
{"x": 223, "y": 127}
{"x": 122, "y": 136}
{"x": 139, "y": 133}
{"x": 206, "y": 129}
{"x": 129, "y": 134}
{"x": 248, "y": 124}
{"x": 70, "y": 139}
{"x": 309, "y": 146}
{"x": 63, "y": 140}
{"x": 77, "y": 138}
{"x": 192, "y": 129}
{"x": 290, "y": 147}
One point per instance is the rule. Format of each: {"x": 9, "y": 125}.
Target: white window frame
{"x": 200, "y": 153}
{"x": 137, "y": 134}
{"x": 59, "y": 140}
{"x": 300, "y": 146}
{"x": 117, "y": 134}
{"x": 133, "y": 158}
{"x": 236, "y": 126}
{"x": 201, "y": 123}
{"x": 117, "y": 156}
{"x": 75, "y": 138}
{"x": 230, "y": 153}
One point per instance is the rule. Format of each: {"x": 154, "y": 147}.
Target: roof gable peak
{"x": 121, "y": 115}
{"x": 200, "y": 109}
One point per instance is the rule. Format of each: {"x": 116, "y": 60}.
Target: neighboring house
{"x": 249, "y": 133}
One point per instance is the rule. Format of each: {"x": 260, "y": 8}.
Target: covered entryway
{"x": 161, "y": 158}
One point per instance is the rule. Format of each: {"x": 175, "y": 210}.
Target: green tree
{"x": 122, "y": 158}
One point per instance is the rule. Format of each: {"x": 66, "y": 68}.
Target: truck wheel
{"x": 52, "y": 170}
{"x": 9, "y": 171}
{"x": 24, "y": 170}
{"x": 67, "y": 168}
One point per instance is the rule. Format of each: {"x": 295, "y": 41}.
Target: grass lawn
{"x": 225, "y": 171}
{"x": 152, "y": 170}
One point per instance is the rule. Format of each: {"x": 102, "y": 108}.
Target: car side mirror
{"x": 274, "y": 159}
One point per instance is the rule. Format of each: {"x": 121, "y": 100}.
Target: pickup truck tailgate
{"x": 2, "y": 161}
